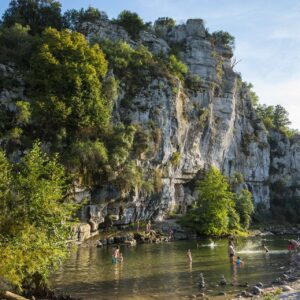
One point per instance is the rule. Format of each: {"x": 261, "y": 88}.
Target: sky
{"x": 267, "y": 34}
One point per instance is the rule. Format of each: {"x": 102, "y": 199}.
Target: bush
{"x": 165, "y": 21}
{"x": 177, "y": 67}
{"x": 175, "y": 160}
{"x": 132, "y": 22}
{"x": 223, "y": 38}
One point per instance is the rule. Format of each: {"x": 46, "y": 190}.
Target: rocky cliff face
{"x": 211, "y": 123}
{"x": 208, "y": 121}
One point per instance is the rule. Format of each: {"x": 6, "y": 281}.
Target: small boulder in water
{"x": 201, "y": 282}
{"x": 246, "y": 284}
{"x": 256, "y": 290}
{"x": 246, "y": 294}
{"x": 223, "y": 281}
{"x": 286, "y": 288}
{"x": 260, "y": 285}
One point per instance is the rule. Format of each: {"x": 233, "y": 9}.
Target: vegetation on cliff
{"x": 218, "y": 210}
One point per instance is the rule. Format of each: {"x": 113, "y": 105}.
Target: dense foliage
{"x": 65, "y": 81}
{"x": 217, "y": 210}
{"x": 76, "y": 19}
{"x": 223, "y": 38}
{"x": 276, "y": 118}
{"x": 35, "y": 218}
{"x": 37, "y": 14}
{"x": 132, "y": 22}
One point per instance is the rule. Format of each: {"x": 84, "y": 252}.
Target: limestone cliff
{"x": 211, "y": 123}
{"x": 207, "y": 120}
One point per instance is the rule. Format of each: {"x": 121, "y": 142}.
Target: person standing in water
{"x": 115, "y": 255}
{"x": 231, "y": 251}
{"x": 189, "y": 256}
{"x": 265, "y": 248}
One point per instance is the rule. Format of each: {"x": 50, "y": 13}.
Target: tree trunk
{"x": 11, "y": 296}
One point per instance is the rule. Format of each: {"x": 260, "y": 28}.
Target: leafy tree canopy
{"x": 65, "y": 81}
{"x": 37, "y": 14}
{"x": 132, "y": 22}
{"x": 35, "y": 219}
{"x": 223, "y": 38}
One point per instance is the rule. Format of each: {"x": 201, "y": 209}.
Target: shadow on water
{"x": 162, "y": 271}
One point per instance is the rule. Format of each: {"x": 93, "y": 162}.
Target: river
{"x": 161, "y": 271}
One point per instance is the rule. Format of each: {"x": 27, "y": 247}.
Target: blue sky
{"x": 267, "y": 36}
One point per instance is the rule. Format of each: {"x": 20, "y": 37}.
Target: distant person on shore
{"x": 189, "y": 256}
{"x": 265, "y": 248}
{"x": 148, "y": 226}
{"x": 115, "y": 255}
{"x": 231, "y": 251}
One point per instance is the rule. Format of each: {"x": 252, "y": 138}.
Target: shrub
{"x": 132, "y": 22}
{"x": 165, "y": 21}
{"x": 177, "y": 67}
{"x": 175, "y": 160}
{"x": 223, "y": 38}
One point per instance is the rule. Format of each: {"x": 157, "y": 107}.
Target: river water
{"x": 162, "y": 271}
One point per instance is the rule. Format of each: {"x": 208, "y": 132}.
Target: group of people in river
{"x": 292, "y": 245}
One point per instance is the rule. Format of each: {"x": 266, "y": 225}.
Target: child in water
{"x": 239, "y": 262}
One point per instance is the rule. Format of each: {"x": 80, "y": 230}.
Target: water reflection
{"x": 150, "y": 271}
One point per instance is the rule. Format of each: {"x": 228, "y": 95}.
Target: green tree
{"x": 36, "y": 219}
{"x": 38, "y": 14}
{"x": 165, "y": 21}
{"x": 213, "y": 213}
{"x": 223, "y": 38}
{"x": 244, "y": 207}
{"x": 281, "y": 117}
{"x": 132, "y": 22}
{"x": 75, "y": 19}
{"x": 65, "y": 82}
{"x": 16, "y": 45}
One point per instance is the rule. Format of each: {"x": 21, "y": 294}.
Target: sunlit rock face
{"x": 228, "y": 135}
{"x": 192, "y": 127}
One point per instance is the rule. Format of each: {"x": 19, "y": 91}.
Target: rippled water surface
{"x": 161, "y": 271}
